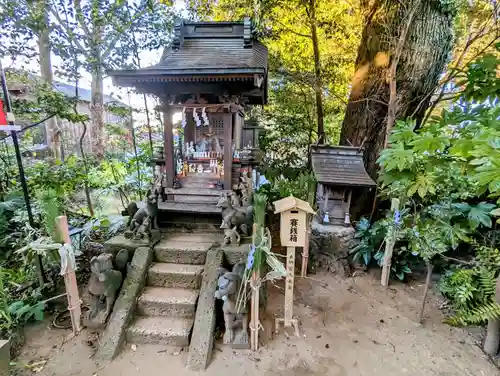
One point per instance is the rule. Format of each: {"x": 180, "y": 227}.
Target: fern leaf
{"x": 475, "y": 316}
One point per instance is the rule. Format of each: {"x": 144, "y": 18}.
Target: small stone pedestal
{"x": 4, "y": 358}
{"x": 330, "y": 247}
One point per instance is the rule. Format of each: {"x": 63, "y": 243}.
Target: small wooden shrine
{"x": 339, "y": 170}
{"x": 209, "y": 74}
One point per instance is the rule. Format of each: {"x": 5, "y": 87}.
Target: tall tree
{"x": 312, "y": 49}
{"x": 23, "y": 22}
{"x": 44, "y": 52}
{"x": 101, "y": 32}
{"x": 98, "y": 33}
{"x": 422, "y": 58}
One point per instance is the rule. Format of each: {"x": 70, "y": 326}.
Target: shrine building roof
{"x": 340, "y": 165}
{"x": 206, "y": 52}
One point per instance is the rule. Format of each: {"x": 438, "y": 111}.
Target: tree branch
{"x": 293, "y": 31}
{"x": 115, "y": 40}
{"x": 67, "y": 29}
{"x": 81, "y": 19}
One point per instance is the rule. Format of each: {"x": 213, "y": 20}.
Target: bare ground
{"x": 350, "y": 327}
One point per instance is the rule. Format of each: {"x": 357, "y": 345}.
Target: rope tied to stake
{"x": 68, "y": 258}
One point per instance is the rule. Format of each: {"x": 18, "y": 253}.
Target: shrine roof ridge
{"x": 219, "y": 57}
{"x": 207, "y": 48}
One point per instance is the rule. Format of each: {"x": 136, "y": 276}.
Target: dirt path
{"x": 350, "y": 327}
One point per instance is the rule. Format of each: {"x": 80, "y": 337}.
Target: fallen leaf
{"x": 36, "y": 364}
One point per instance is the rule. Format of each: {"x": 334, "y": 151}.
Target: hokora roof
{"x": 340, "y": 165}
{"x": 205, "y": 48}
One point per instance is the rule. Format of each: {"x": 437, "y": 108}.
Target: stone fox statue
{"x": 228, "y": 286}
{"x": 238, "y": 216}
{"x": 104, "y": 282}
{"x": 130, "y": 211}
{"x": 149, "y": 211}
{"x": 231, "y": 235}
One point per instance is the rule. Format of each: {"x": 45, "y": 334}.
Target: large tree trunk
{"x": 426, "y": 50}
{"x": 51, "y": 129}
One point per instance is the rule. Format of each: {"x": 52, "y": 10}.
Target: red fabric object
{"x": 3, "y": 118}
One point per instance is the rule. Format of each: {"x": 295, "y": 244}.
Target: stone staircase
{"x": 167, "y": 306}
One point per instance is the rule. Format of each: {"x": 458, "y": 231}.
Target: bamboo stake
{"x": 70, "y": 280}
{"x": 254, "y": 303}
{"x": 390, "y": 240}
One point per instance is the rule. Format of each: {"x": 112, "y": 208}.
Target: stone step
{"x": 187, "y": 228}
{"x": 202, "y": 208}
{"x": 162, "y": 301}
{"x": 194, "y": 237}
{"x": 196, "y": 191}
{"x": 196, "y": 199}
{"x": 200, "y": 178}
{"x": 190, "y": 227}
{"x": 197, "y": 185}
{"x": 191, "y": 252}
{"x": 170, "y": 331}
{"x": 162, "y": 274}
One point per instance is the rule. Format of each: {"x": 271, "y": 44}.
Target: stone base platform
{"x": 330, "y": 246}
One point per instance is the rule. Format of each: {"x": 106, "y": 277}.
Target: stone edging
{"x": 202, "y": 338}
{"x": 123, "y": 310}
{"x": 4, "y": 358}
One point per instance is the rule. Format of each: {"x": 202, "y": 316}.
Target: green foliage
{"x": 370, "y": 241}
{"x": 285, "y": 27}
{"x": 302, "y": 186}
{"x": 446, "y": 173}
{"x": 16, "y": 313}
{"x": 471, "y": 291}
{"x": 371, "y": 246}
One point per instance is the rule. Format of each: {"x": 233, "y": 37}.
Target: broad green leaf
{"x": 462, "y": 207}
{"x": 479, "y": 215}
{"x": 495, "y": 212}
{"x": 479, "y": 161}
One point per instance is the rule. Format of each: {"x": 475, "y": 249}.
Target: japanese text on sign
{"x": 294, "y": 222}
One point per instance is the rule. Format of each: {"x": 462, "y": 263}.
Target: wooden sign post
{"x": 293, "y": 233}
{"x": 68, "y": 271}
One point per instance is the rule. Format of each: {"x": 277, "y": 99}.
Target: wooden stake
{"x": 288, "y": 320}
{"x": 430, "y": 267}
{"x": 70, "y": 280}
{"x": 390, "y": 240}
{"x": 305, "y": 251}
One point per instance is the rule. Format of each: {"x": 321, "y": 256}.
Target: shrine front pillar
{"x": 168, "y": 145}
{"x": 228, "y": 151}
